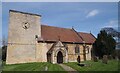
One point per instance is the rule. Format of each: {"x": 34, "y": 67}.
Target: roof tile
{"x": 51, "y": 33}
{"x": 87, "y": 37}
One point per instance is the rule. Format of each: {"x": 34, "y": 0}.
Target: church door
{"x": 59, "y": 57}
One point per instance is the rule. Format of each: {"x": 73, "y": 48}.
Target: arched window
{"x": 77, "y": 50}
{"x": 87, "y": 49}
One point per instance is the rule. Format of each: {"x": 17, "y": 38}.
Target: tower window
{"x": 77, "y": 50}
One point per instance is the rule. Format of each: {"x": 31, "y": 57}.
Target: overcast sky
{"x": 83, "y": 16}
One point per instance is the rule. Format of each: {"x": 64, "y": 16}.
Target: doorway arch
{"x": 59, "y": 57}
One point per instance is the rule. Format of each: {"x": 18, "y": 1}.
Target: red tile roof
{"x": 51, "y": 33}
{"x": 87, "y": 37}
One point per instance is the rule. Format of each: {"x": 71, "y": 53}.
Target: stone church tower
{"x": 24, "y": 29}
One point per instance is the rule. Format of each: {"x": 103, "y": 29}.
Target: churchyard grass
{"x": 95, "y": 66}
{"x": 91, "y": 66}
{"x": 32, "y": 67}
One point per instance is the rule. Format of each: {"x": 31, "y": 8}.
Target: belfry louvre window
{"x": 77, "y": 50}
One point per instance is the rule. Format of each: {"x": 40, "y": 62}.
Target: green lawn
{"x": 32, "y": 67}
{"x": 95, "y": 66}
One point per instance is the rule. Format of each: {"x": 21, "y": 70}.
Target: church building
{"x": 30, "y": 41}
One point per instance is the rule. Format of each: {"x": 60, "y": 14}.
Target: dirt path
{"x": 69, "y": 69}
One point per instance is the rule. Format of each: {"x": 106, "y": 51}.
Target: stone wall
{"x": 41, "y": 52}
{"x": 88, "y": 55}
{"x": 22, "y": 42}
{"x": 72, "y": 56}
{"x": 20, "y": 54}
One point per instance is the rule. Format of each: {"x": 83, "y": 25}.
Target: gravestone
{"x": 105, "y": 59}
{"x": 95, "y": 59}
{"x": 78, "y": 59}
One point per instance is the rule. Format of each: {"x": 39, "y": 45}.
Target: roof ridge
{"x": 93, "y": 35}
{"x": 56, "y": 27}
{"x": 78, "y": 34}
{"x": 84, "y": 32}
